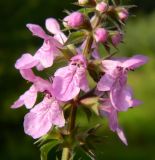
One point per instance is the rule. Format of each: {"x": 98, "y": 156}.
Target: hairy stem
{"x": 67, "y": 151}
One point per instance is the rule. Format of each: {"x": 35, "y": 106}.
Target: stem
{"x": 66, "y": 153}
{"x": 88, "y": 45}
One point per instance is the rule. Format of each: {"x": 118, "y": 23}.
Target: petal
{"x": 52, "y": 25}
{"x": 121, "y": 97}
{"x": 28, "y": 99}
{"x": 43, "y": 85}
{"x": 61, "y": 37}
{"x": 18, "y": 103}
{"x": 45, "y": 55}
{"x": 113, "y": 120}
{"x": 28, "y": 74}
{"x": 83, "y": 82}
{"x": 105, "y": 83}
{"x": 42, "y": 117}
{"x": 65, "y": 85}
{"x": 135, "y": 61}
{"x": 37, "y": 30}
{"x": 48, "y": 51}
{"x": 26, "y": 61}
{"x": 110, "y": 66}
{"x": 95, "y": 54}
{"x": 121, "y": 135}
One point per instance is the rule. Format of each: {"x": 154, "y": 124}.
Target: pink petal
{"x": 83, "y": 84}
{"x": 135, "y": 61}
{"x": 110, "y": 66}
{"x": 28, "y": 99}
{"x": 61, "y": 37}
{"x": 43, "y": 85}
{"x": 26, "y": 61}
{"x": 37, "y": 30}
{"x": 65, "y": 86}
{"x": 105, "y": 83}
{"x": 28, "y": 75}
{"x": 121, "y": 135}
{"x": 52, "y": 25}
{"x": 42, "y": 117}
{"x": 121, "y": 97}
{"x": 46, "y": 54}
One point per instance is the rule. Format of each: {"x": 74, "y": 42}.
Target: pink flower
{"x": 101, "y": 7}
{"x": 74, "y": 20}
{"x": 45, "y": 55}
{"x": 116, "y": 38}
{"x": 115, "y": 80}
{"x": 106, "y": 109}
{"x": 70, "y": 79}
{"x": 123, "y": 14}
{"x": 43, "y": 117}
{"x": 101, "y": 35}
{"x": 29, "y": 97}
{"x": 83, "y": 2}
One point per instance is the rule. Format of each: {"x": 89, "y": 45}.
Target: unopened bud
{"x": 87, "y": 2}
{"x": 116, "y": 38}
{"x": 101, "y": 35}
{"x": 75, "y": 20}
{"x": 123, "y": 14}
{"x": 101, "y": 7}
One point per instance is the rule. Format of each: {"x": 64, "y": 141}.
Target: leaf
{"x": 67, "y": 53}
{"x": 76, "y": 37}
{"x": 47, "y": 147}
{"x": 86, "y": 11}
{"x": 92, "y": 103}
{"x": 87, "y": 112}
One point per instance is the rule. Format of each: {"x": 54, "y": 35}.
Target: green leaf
{"x": 86, "y": 11}
{"x": 47, "y": 147}
{"x": 92, "y": 103}
{"x": 87, "y": 112}
{"x": 67, "y": 53}
{"x": 76, "y": 37}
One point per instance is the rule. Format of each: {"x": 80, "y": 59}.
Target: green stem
{"x": 88, "y": 45}
{"x": 65, "y": 154}
{"x": 67, "y": 151}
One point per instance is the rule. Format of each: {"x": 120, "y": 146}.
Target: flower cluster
{"x": 79, "y": 47}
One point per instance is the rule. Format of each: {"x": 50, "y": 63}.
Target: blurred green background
{"x": 15, "y": 39}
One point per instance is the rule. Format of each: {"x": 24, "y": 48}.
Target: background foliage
{"x": 16, "y": 39}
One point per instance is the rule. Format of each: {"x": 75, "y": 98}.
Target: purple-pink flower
{"x": 101, "y": 35}
{"x": 43, "y": 117}
{"x": 74, "y": 20}
{"x": 107, "y": 109}
{"x": 101, "y": 7}
{"x": 115, "y": 80}
{"x": 46, "y": 54}
{"x": 69, "y": 80}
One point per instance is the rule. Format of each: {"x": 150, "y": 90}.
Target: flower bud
{"x": 101, "y": 35}
{"x": 74, "y": 20}
{"x": 87, "y": 2}
{"x": 123, "y": 14}
{"x": 101, "y": 7}
{"x": 116, "y": 38}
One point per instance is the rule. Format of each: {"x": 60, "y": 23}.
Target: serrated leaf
{"x": 47, "y": 147}
{"x": 76, "y": 37}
